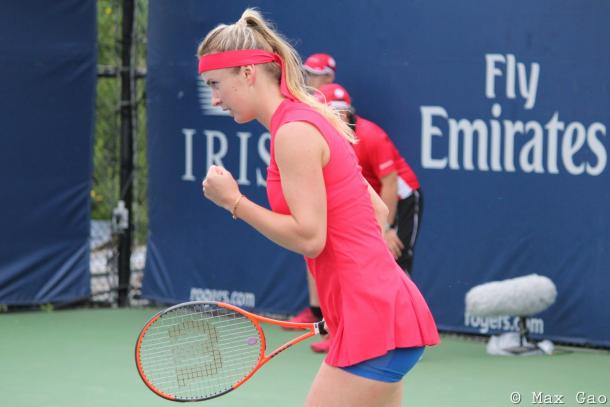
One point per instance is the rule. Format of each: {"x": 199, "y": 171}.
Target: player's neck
{"x": 270, "y": 100}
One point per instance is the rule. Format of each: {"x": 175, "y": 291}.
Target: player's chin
{"x": 241, "y": 119}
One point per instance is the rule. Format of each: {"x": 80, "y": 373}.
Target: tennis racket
{"x": 200, "y": 350}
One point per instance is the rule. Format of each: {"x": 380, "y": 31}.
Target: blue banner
{"x": 500, "y": 108}
{"x": 48, "y": 71}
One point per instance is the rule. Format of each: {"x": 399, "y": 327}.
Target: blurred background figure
{"x": 388, "y": 173}
{"x": 319, "y": 70}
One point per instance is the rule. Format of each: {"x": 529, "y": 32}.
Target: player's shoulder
{"x": 291, "y": 111}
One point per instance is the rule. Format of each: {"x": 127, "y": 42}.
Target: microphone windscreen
{"x": 521, "y": 296}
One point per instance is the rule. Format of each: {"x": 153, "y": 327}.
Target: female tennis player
{"x": 323, "y": 209}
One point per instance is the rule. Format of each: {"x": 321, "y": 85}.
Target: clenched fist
{"x": 220, "y": 187}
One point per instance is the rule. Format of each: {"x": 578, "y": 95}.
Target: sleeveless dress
{"x": 369, "y": 304}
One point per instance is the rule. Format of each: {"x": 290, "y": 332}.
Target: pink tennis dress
{"x": 370, "y": 305}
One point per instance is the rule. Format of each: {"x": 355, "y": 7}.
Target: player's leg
{"x": 323, "y": 344}
{"x": 313, "y": 291}
{"x": 312, "y": 313}
{"x": 396, "y": 398}
{"x": 337, "y": 388}
{"x": 408, "y": 220}
{"x": 373, "y": 382}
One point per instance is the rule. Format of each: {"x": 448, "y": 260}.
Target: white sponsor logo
{"x": 238, "y": 298}
{"x": 501, "y": 145}
{"x": 503, "y": 323}
{"x": 217, "y": 147}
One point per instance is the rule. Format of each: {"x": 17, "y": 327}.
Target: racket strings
{"x": 199, "y": 351}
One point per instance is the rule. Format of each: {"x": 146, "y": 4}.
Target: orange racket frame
{"x": 314, "y": 328}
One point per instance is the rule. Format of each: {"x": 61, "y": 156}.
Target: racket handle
{"x": 320, "y": 328}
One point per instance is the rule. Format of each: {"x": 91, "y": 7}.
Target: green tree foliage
{"x": 106, "y": 183}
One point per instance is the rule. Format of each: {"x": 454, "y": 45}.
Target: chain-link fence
{"x": 107, "y": 194}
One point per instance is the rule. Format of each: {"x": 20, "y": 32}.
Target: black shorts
{"x": 407, "y": 222}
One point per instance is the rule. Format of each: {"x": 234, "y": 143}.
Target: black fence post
{"x": 127, "y": 156}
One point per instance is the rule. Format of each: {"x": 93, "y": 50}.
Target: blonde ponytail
{"x": 252, "y": 31}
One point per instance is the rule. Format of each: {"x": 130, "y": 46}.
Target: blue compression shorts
{"x": 390, "y": 367}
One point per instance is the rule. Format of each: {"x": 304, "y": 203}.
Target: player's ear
{"x": 249, "y": 73}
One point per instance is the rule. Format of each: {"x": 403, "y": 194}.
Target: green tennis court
{"x": 85, "y": 358}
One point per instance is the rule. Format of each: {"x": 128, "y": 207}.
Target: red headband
{"x": 241, "y": 57}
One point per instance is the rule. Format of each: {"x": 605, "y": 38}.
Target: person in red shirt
{"x": 378, "y": 319}
{"x": 389, "y": 175}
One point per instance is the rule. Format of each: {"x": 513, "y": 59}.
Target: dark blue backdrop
{"x": 47, "y": 71}
{"x": 501, "y": 108}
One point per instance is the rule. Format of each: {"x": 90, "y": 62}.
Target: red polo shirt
{"x": 378, "y": 157}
